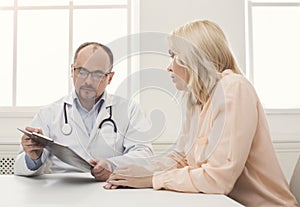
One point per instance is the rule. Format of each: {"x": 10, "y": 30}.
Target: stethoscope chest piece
{"x": 66, "y": 129}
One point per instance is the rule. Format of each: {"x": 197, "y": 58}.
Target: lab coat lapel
{"x": 77, "y": 120}
{"x": 103, "y": 114}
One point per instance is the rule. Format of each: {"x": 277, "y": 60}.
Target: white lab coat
{"x": 126, "y": 146}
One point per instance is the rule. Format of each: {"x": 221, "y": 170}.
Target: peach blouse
{"x": 226, "y": 149}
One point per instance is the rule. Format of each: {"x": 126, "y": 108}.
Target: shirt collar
{"x": 97, "y": 105}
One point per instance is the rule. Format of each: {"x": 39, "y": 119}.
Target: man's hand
{"x": 33, "y": 149}
{"x": 102, "y": 169}
{"x": 130, "y": 176}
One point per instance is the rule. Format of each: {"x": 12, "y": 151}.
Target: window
{"x": 38, "y": 40}
{"x": 274, "y": 52}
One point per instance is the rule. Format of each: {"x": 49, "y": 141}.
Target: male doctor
{"x": 105, "y": 129}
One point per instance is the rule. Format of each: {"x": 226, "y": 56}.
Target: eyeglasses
{"x": 84, "y": 73}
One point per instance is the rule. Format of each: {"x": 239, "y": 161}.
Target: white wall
{"x": 164, "y": 16}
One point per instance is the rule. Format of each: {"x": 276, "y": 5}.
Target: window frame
{"x": 249, "y": 36}
{"x": 132, "y": 7}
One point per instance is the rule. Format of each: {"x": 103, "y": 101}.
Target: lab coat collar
{"x": 109, "y": 99}
{"x": 71, "y": 98}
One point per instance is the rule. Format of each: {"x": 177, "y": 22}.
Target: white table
{"x": 79, "y": 189}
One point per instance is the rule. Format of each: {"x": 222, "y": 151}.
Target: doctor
{"x": 105, "y": 129}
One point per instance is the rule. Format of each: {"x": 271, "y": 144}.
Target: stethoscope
{"x": 109, "y": 119}
{"x": 67, "y": 128}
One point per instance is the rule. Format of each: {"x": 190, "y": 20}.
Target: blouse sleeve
{"x": 235, "y": 118}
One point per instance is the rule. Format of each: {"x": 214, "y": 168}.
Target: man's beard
{"x": 87, "y": 94}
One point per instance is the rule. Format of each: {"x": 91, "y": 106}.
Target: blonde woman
{"x": 225, "y": 145}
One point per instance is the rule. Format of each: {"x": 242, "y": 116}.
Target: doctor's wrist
{"x": 33, "y": 164}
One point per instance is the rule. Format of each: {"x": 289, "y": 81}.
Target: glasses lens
{"x": 82, "y": 73}
{"x": 97, "y": 75}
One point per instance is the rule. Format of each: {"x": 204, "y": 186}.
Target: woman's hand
{"x": 130, "y": 176}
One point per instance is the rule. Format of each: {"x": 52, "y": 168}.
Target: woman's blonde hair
{"x": 202, "y": 48}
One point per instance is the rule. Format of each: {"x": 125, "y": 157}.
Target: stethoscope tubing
{"x": 109, "y": 119}
{"x": 67, "y": 128}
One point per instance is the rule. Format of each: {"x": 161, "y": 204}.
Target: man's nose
{"x": 89, "y": 78}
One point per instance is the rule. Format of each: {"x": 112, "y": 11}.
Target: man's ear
{"x": 110, "y": 76}
{"x": 72, "y": 71}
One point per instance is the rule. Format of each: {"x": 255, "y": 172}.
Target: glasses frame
{"x": 95, "y": 77}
